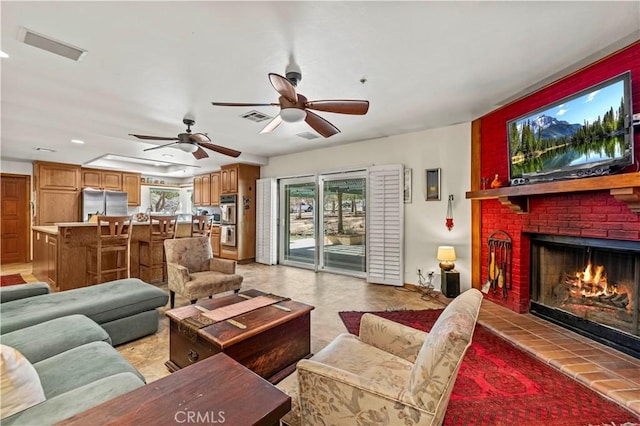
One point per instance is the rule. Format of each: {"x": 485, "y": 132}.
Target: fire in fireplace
{"x": 590, "y": 286}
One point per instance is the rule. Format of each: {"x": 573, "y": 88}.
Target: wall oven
{"x": 228, "y": 220}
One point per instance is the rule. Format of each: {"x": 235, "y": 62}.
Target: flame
{"x": 592, "y": 282}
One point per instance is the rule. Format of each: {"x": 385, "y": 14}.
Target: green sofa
{"x": 77, "y": 367}
{"x": 125, "y": 308}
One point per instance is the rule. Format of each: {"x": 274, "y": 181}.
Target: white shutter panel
{"x": 385, "y": 225}
{"x": 266, "y": 222}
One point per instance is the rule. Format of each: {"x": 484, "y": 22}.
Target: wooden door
{"x": 14, "y": 200}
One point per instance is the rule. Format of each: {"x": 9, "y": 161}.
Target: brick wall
{"x": 586, "y": 214}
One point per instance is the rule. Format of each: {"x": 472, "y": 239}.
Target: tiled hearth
{"x": 607, "y": 371}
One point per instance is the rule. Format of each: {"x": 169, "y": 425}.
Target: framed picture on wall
{"x": 432, "y": 185}
{"x": 407, "y": 185}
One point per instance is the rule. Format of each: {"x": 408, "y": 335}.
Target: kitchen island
{"x": 60, "y": 252}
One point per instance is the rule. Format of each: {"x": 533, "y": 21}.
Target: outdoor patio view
{"x": 342, "y": 224}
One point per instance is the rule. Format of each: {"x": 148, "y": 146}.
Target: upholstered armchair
{"x": 193, "y": 272}
{"x": 389, "y": 375}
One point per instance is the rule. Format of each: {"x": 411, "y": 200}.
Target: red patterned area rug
{"x": 12, "y": 279}
{"x": 499, "y": 384}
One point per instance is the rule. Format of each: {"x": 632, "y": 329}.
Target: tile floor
{"x": 609, "y": 372}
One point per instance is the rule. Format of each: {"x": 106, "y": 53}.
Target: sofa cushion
{"x": 80, "y": 366}
{"x": 76, "y": 401}
{"x": 20, "y": 291}
{"x": 102, "y": 303}
{"x": 50, "y": 338}
{"x": 21, "y": 387}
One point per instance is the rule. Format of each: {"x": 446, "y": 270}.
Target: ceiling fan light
{"x": 292, "y": 115}
{"x": 188, "y": 147}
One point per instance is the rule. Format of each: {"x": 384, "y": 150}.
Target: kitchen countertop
{"x": 53, "y": 229}
{"x": 50, "y": 229}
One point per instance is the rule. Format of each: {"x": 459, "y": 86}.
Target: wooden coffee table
{"x": 273, "y": 339}
{"x": 215, "y": 391}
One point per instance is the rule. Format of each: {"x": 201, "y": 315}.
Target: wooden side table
{"x": 217, "y": 388}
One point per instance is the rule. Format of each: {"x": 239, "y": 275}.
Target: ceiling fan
{"x": 190, "y": 142}
{"x": 295, "y": 107}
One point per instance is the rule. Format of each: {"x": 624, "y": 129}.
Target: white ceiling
{"x": 426, "y": 65}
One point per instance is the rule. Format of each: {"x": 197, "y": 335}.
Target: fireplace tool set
{"x": 500, "y": 262}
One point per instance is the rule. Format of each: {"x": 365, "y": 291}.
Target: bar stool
{"x": 200, "y": 226}
{"x": 113, "y": 235}
{"x": 153, "y": 266}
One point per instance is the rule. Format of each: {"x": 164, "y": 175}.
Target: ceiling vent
{"x": 50, "y": 45}
{"x": 308, "y": 135}
{"x": 256, "y": 116}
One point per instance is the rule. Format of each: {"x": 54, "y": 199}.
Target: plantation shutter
{"x": 266, "y": 222}
{"x": 385, "y": 225}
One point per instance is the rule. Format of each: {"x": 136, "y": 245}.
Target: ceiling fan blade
{"x": 273, "y": 124}
{"x": 199, "y": 137}
{"x": 283, "y": 86}
{"x": 340, "y": 106}
{"x": 321, "y": 125}
{"x": 153, "y": 138}
{"x": 220, "y": 149}
{"x": 160, "y": 146}
{"x": 200, "y": 154}
{"x": 240, "y": 104}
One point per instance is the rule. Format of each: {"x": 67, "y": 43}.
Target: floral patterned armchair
{"x": 193, "y": 272}
{"x": 390, "y": 375}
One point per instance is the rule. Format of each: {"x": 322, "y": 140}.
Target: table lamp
{"x": 446, "y": 255}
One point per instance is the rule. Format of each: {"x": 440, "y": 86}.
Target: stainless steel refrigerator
{"x": 97, "y": 201}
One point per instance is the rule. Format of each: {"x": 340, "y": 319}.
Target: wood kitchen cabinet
{"x": 215, "y": 189}
{"x": 202, "y": 190}
{"x": 101, "y": 179}
{"x": 56, "y": 176}
{"x": 57, "y": 188}
{"x": 131, "y": 185}
{"x": 229, "y": 179}
{"x": 215, "y": 240}
{"x": 206, "y": 190}
{"x": 197, "y": 190}
{"x": 45, "y": 249}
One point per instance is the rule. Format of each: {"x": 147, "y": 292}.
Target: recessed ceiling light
{"x": 157, "y": 164}
{"x": 77, "y": 141}
{"x": 3, "y": 55}
{"x": 167, "y": 155}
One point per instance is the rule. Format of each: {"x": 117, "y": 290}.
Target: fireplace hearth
{"x": 590, "y": 286}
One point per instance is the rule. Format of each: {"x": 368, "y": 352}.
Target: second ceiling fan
{"x": 295, "y": 107}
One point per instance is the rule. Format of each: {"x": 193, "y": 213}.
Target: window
{"x": 165, "y": 200}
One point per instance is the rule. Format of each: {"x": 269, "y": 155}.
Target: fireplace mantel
{"x": 623, "y": 187}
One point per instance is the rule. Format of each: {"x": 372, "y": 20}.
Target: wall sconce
{"x": 446, "y": 255}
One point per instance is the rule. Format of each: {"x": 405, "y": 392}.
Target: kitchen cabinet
{"x": 45, "y": 247}
{"x": 215, "y": 240}
{"x": 56, "y": 176}
{"x": 197, "y": 190}
{"x": 215, "y": 189}
{"x": 131, "y": 185}
{"x": 57, "y": 188}
{"x": 206, "y": 190}
{"x": 101, "y": 179}
{"x": 229, "y": 179}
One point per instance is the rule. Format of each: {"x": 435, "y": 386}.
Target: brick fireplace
{"x": 569, "y": 208}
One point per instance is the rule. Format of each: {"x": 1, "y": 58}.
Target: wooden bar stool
{"x": 200, "y": 226}
{"x": 153, "y": 267}
{"x": 113, "y": 236}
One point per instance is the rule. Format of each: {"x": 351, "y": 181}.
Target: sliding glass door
{"x": 298, "y": 227}
{"x": 343, "y": 223}
{"x": 339, "y": 218}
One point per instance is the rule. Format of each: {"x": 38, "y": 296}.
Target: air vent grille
{"x": 50, "y": 45}
{"x": 308, "y": 135}
{"x": 256, "y": 116}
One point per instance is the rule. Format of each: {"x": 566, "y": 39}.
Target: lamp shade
{"x": 292, "y": 115}
{"x": 188, "y": 147}
{"x": 446, "y": 255}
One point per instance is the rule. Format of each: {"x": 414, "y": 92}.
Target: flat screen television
{"x": 589, "y": 133}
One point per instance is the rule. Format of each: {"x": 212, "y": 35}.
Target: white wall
{"x": 17, "y": 167}
{"x": 447, "y": 148}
